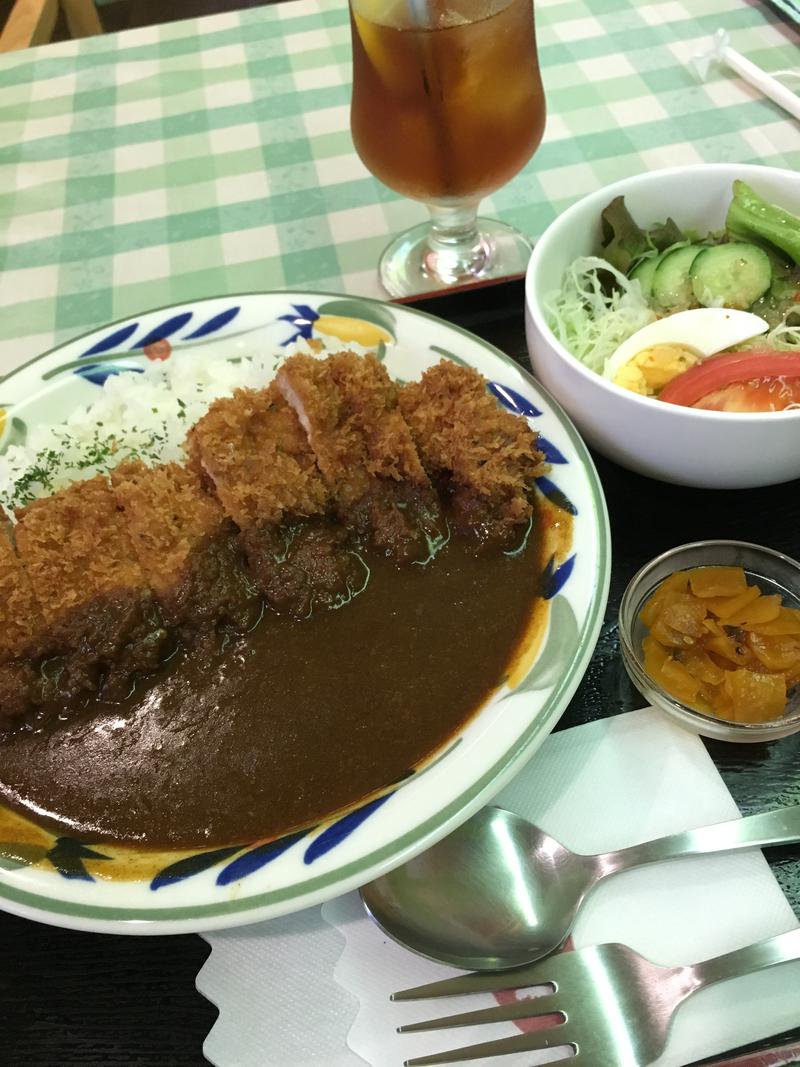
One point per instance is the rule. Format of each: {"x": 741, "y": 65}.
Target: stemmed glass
{"x": 447, "y": 106}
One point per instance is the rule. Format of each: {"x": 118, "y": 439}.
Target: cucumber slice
{"x": 732, "y": 275}
{"x": 643, "y": 273}
{"x": 672, "y": 286}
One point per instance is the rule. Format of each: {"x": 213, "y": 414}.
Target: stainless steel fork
{"x": 616, "y": 1006}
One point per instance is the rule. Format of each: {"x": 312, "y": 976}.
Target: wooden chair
{"x": 32, "y": 21}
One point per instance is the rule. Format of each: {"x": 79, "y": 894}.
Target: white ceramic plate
{"x": 68, "y": 883}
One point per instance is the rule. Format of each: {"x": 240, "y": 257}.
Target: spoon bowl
{"x": 496, "y": 893}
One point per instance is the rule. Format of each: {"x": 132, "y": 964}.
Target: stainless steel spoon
{"x": 499, "y": 892}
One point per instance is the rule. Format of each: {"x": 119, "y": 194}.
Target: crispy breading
{"x": 167, "y": 514}
{"x": 364, "y": 448}
{"x": 307, "y": 387}
{"x": 185, "y": 545}
{"x": 75, "y": 549}
{"x": 255, "y": 453}
{"x": 348, "y": 406}
{"x": 96, "y": 603}
{"x": 22, "y": 625}
{"x": 483, "y": 457}
{"x": 23, "y": 634}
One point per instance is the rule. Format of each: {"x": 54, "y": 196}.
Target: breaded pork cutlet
{"x": 98, "y": 609}
{"x": 364, "y": 449}
{"x": 483, "y": 460}
{"x": 23, "y": 636}
{"x": 251, "y": 448}
{"x": 186, "y": 548}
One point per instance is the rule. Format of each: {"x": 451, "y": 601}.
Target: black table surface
{"x": 91, "y": 999}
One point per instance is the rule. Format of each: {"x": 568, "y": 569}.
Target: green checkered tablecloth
{"x": 214, "y": 155}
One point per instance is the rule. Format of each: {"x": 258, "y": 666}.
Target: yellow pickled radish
{"x": 676, "y": 583}
{"x": 720, "y": 645}
{"x": 779, "y": 653}
{"x": 765, "y": 609}
{"x": 702, "y": 666}
{"x": 724, "y": 606}
{"x": 717, "y": 581}
{"x": 787, "y": 622}
{"x": 678, "y": 681}
{"x": 755, "y": 697}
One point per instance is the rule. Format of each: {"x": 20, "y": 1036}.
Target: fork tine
{"x": 535, "y": 1008}
{"x": 536, "y": 1042}
{"x": 477, "y": 982}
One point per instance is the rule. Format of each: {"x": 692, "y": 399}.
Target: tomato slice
{"x": 718, "y": 372}
{"x": 763, "y": 394}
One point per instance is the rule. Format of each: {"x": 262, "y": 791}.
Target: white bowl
{"x": 708, "y": 449}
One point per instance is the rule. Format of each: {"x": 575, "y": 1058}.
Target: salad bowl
{"x": 683, "y": 445}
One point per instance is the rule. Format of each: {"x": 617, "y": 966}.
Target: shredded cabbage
{"x": 590, "y": 322}
{"x": 786, "y": 335}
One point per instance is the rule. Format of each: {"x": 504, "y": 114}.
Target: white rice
{"x": 144, "y": 414}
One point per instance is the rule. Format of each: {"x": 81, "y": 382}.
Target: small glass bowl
{"x": 771, "y": 571}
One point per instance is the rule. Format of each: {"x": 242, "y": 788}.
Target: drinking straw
{"x": 420, "y": 12}
{"x": 721, "y": 53}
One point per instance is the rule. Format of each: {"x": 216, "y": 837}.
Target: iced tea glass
{"x": 447, "y": 106}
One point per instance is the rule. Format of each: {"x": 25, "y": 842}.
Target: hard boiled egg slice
{"x": 662, "y": 350}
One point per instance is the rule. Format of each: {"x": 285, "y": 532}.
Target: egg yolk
{"x": 651, "y": 369}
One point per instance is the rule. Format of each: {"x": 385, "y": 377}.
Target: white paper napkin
{"x": 278, "y": 1003}
{"x": 285, "y": 1000}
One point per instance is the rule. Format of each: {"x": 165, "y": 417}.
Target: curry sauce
{"x": 274, "y": 730}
